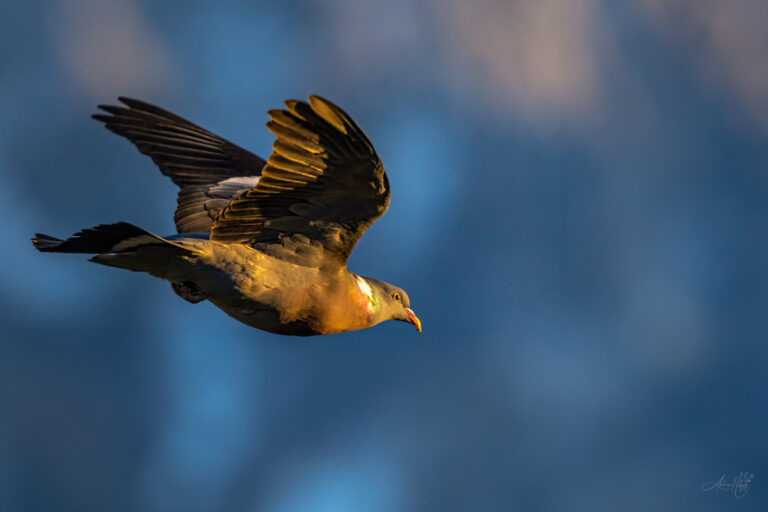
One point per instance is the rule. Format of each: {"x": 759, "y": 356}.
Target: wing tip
{"x": 330, "y": 113}
{"x": 316, "y": 97}
{"x": 113, "y": 110}
{"x": 135, "y": 104}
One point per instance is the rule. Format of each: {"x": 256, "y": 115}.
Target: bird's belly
{"x": 265, "y": 317}
{"x": 277, "y": 297}
{"x": 305, "y": 322}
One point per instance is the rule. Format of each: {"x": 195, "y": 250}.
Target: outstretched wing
{"x": 204, "y": 165}
{"x": 323, "y": 183}
{"x": 199, "y": 205}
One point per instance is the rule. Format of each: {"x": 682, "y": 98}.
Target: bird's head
{"x": 388, "y": 302}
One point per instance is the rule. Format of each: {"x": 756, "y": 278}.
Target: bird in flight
{"x": 266, "y": 242}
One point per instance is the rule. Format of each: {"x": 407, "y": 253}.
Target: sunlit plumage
{"x": 267, "y": 242}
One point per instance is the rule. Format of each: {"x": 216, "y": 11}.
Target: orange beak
{"x": 412, "y": 318}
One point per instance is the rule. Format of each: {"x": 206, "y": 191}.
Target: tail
{"x": 103, "y": 239}
{"x": 120, "y": 245}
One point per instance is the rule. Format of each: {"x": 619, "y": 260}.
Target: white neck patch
{"x": 367, "y": 291}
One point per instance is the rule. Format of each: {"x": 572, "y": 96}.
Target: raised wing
{"x": 195, "y": 159}
{"x": 323, "y": 183}
{"x": 199, "y": 205}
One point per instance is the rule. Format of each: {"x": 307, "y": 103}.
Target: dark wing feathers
{"x": 323, "y": 181}
{"x": 194, "y": 158}
{"x": 199, "y": 205}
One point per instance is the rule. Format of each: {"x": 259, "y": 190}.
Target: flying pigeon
{"x": 267, "y": 242}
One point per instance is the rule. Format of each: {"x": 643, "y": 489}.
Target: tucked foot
{"x": 189, "y": 292}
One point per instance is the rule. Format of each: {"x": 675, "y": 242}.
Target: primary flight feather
{"x": 267, "y": 242}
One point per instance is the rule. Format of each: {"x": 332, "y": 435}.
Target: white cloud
{"x": 730, "y": 42}
{"x": 105, "y": 46}
{"x": 536, "y": 56}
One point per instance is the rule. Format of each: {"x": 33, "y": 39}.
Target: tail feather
{"x": 46, "y": 243}
{"x": 126, "y": 246}
{"x": 103, "y": 239}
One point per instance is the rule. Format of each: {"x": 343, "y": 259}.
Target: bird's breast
{"x": 285, "y": 298}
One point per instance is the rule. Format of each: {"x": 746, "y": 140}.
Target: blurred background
{"x": 578, "y": 213}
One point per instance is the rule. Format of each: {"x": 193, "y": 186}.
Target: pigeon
{"x": 266, "y": 242}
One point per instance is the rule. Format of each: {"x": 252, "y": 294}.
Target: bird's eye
{"x": 396, "y": 296}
